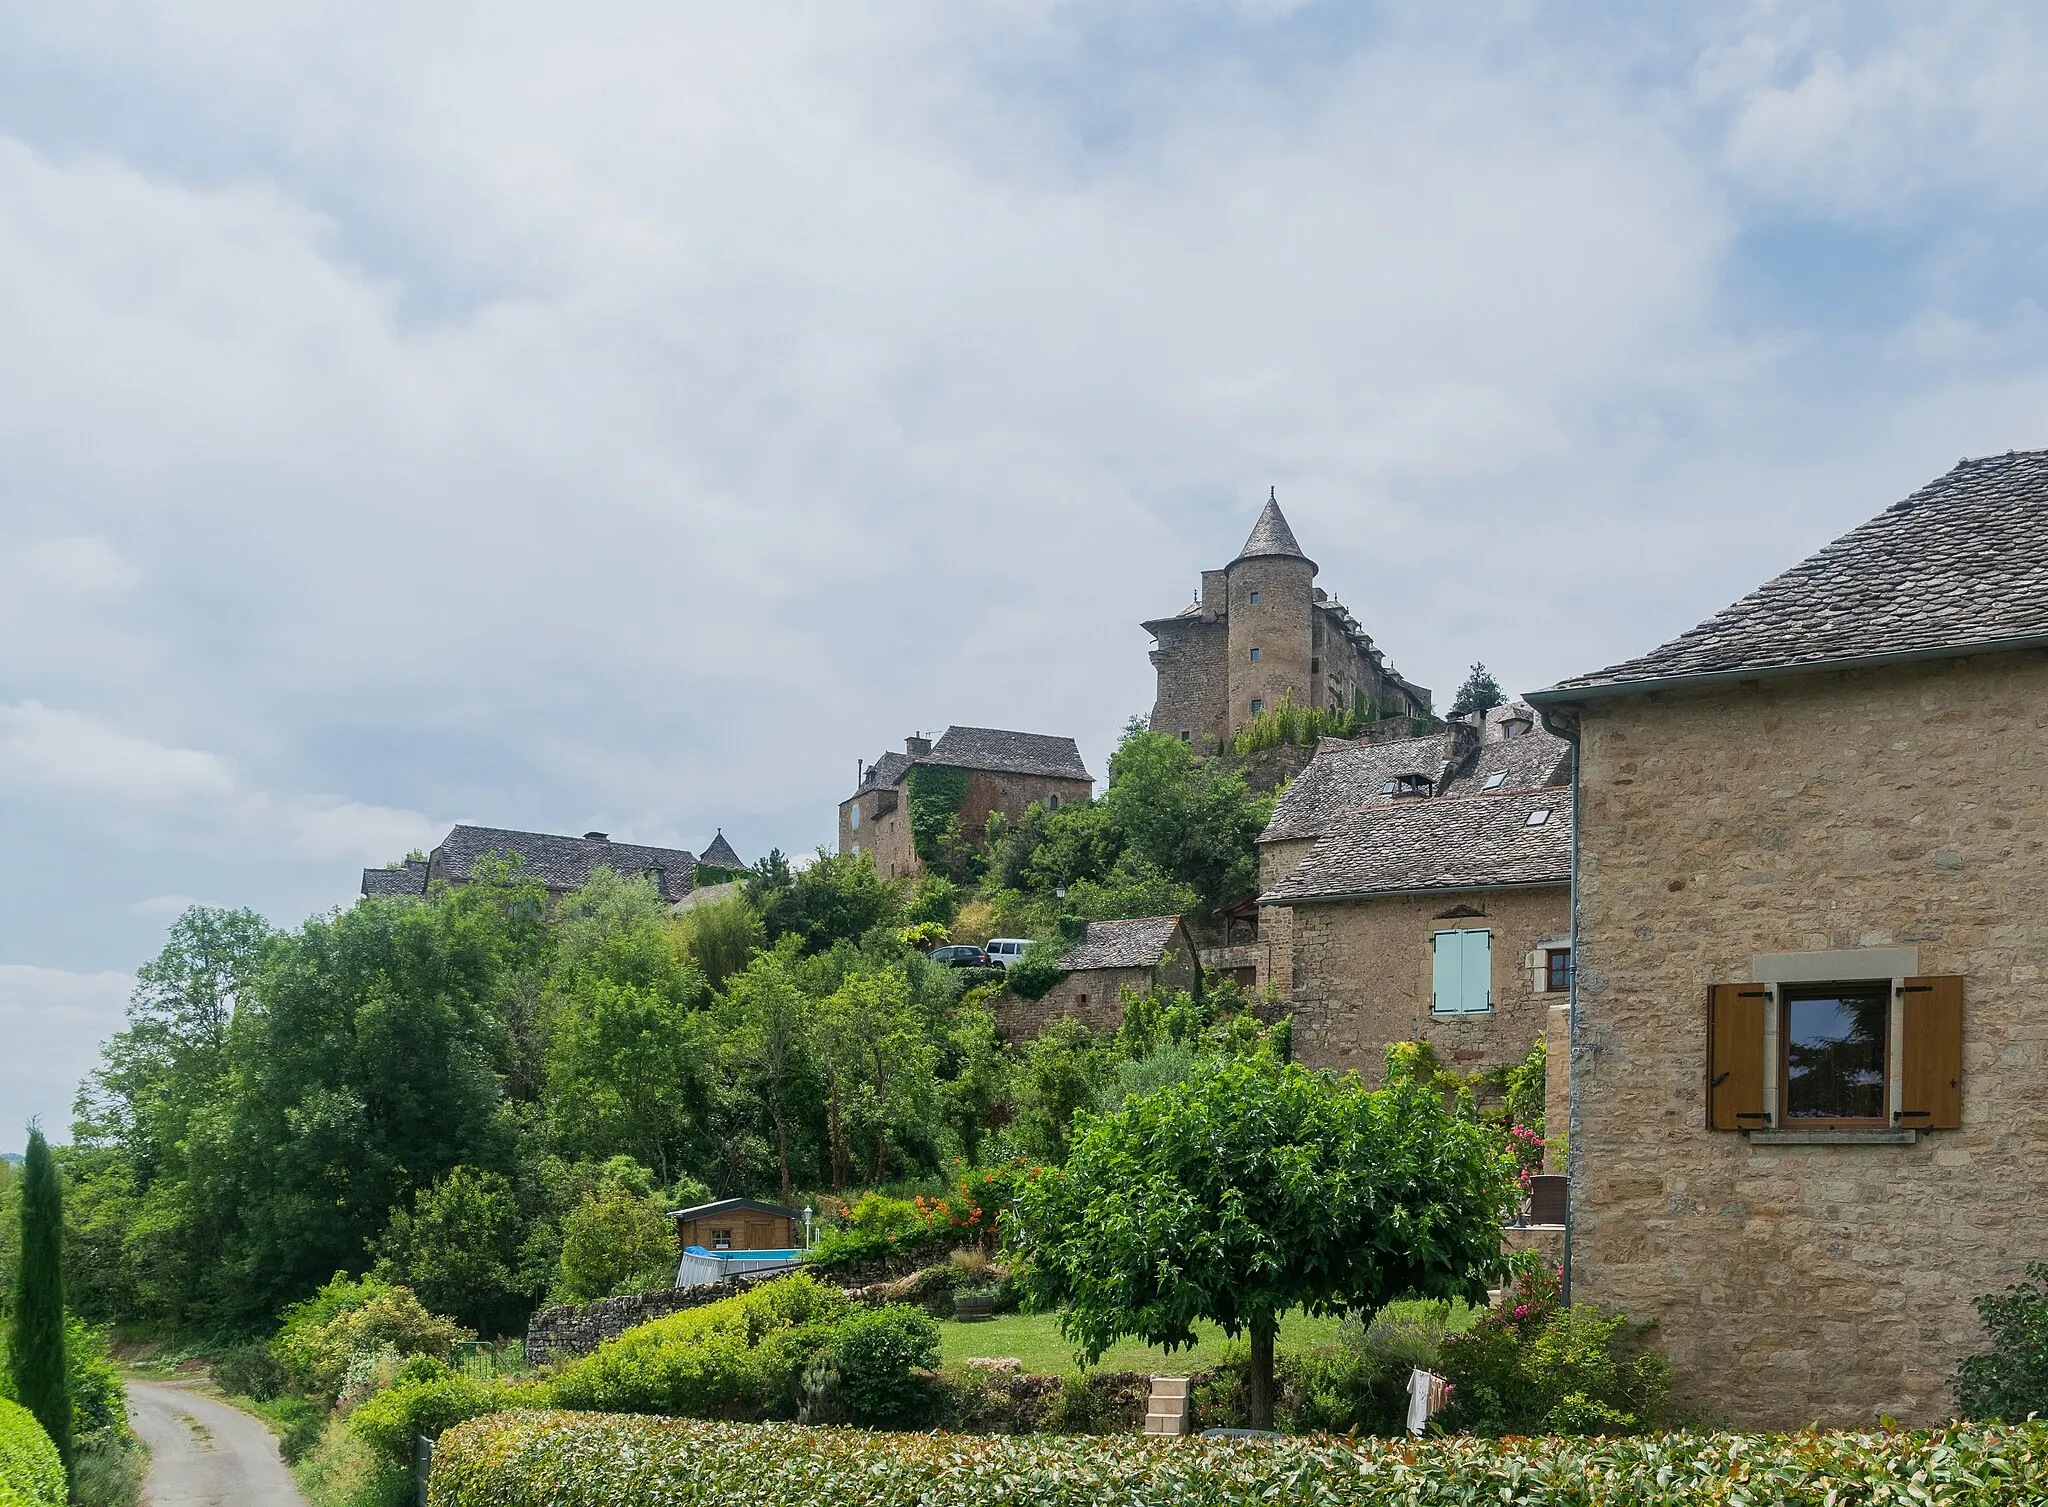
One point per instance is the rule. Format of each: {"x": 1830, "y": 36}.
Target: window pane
{"x": 1560, "y": 970}
{"x": 1834, "y": 1057}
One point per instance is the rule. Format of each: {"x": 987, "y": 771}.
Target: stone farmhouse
{"x": 561, "y": 864}
{"x": 1809, "y": 1046}
{"x": 1004, "y": 772}
{"x": 1109, "y": 957}
{"x": 1261, "y": 630}
{"x": 1420, "y": 889}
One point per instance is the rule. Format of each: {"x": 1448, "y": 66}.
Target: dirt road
{"x": 204, "y": 1453}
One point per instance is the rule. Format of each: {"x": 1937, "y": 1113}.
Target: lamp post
{"x": 807, "y": 1226}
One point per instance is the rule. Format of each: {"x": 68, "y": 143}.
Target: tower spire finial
{"x": 1272, "y": 493}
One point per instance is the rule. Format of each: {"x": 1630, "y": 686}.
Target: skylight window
{"x": 1539, "y": 816}
{"x": 1495, "y": 781}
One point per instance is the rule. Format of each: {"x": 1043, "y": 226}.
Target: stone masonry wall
{"x": 1194, "y": 681}
{"x": 1362, "y": 977}
{"x": 989, "y": 792}
{"x": 1276, "y": 922}
{"x": 569, "y": 1331}
{"x": 885, "y": 837}
{"x": 1901, "y": 806}
{"x": 1094, "y": 998}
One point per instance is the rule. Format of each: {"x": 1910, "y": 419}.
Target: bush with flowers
{"x": 1537, "y": 1366}
{"x": 877, "y": 1229}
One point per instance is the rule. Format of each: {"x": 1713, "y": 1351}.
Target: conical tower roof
{"x": 1271, "y": 535}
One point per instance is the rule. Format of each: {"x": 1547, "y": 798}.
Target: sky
{"x": 628, "y": 416}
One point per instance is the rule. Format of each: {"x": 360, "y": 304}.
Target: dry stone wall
{"x": 1896, "y": 807}
{"x": 570, "y": 1331}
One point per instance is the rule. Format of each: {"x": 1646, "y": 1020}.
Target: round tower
{"x": 1272, "y": 621}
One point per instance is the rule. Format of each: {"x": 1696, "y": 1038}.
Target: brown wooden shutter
{"x": 1735, "y": 1056}
{"x": 1931, "y": 1077}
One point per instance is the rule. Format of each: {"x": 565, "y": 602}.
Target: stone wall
{"x": 1903, "y": 806}
{"x": 1094, "y": 997}
{"x": 1361, "y": 977}
{"x": 1279, "y": 626}
{"x": 1193, "y": 680}
{"x": 569, "y": 1331}
{"x": 1276, "y": 922}
{"x": 883, "y": 832}
{"x": 989, "y": 792}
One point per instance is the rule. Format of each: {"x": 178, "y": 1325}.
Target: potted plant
{"x": 971, "y": 1303}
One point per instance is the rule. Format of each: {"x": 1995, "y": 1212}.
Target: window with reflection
{"x": 1836, "y": 1040}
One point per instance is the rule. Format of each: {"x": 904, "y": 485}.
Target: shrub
{"x": 877, "y": 1228}
{"x": 530, "y": 1459}
{"x": 389, "y": 1422}
{"x": 342, "y": 1471}
{"x": 614, "y": 1241}
{"x": 250, "y": 1371}
{"x": 1538, "y": 1367}
{"x": 30, "y": 1471}
{"x": 2011, "y": 1379}
{"x": 1033, "y": 975}
{"x": 876, "y": 1351}
{"x": 740, "y": 1357}
{"x": 107, "y": 1467}
{"x": 97, "y": 1400}
{"x": 299, "y": 1425}
{"x": 346, "y": 1329}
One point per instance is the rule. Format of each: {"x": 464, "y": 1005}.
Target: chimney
{"x": 916, "y": 746}
{"x": 597, "y": 837}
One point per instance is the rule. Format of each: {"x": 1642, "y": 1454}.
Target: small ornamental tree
{"x": 1249, "y": 1189}
{"x": 1480, "y": 693}
{"x": 36, "y": 1345}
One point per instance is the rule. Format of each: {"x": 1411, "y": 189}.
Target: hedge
{"x": 31, "y": 1475}
{"x": 541, "y": 1459}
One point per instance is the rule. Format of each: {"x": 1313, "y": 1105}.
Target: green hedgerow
{"x": 532, "y": 1459}
{"x": 30, "y": 1472}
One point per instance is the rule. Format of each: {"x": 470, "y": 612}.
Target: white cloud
{"x": 164, "y": 905}
{"x": 52, "y": 1022}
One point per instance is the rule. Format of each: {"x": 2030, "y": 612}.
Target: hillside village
{"x": 1659, "y": 1046}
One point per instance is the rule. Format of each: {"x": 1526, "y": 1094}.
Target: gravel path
{"x": 204, "y": 1453}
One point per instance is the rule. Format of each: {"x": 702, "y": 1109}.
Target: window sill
{"x": 1461, "y": 1014}
{"x": 1905, "y": 1136}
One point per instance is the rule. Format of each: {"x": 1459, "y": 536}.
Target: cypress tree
{"x": 36, "y": 1348}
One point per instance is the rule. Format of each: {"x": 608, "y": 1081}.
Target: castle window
{"x": 1255, "y": 599}
{"x": 1257, "y": 706}
{"x": 1315, "y": 667}
{"x": 856, "y": 816}
{"x": 1052, "y": 803}
{"x": 1184, "y": 737}
{"x": 1255, "y": 656}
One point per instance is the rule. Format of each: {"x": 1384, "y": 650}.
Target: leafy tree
{"x": 838, "y": 898}
{"x": 627, "y": 1074}
{"x": 934, "y": 899}
{"x": 879, "y": 1071}
{"x": 767, "y": 1020}
{"x": 1273, "y": 1188}
{"x": 1480, "y": 693}
{"x": 615, "y": 1241}
{"x": 1189, "y": 819}
{"x": 458, "y": 1248}
{"x": 2010, "y": 1380}
{"x": 1061, "y": 1071}
{"x": 977, "y": 1090}
{"x": 36, "y": 1340}
{"x": 722, "y": 936}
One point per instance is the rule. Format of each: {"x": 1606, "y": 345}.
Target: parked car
{"x": 961, "y": 957}
{"x": 1005, "y": 951}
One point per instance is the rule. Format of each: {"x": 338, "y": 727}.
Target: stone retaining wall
{"x": 570, "y": 1331}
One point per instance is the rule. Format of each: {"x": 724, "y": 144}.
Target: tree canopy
{"x": 1480, "y": 693}
{"x": 1249, "y": 1188}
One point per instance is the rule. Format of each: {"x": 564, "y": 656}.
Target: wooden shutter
{"x": 1446, "y": 956}
{"x": 1931, "y": 1077}
{"x": 1477, "y": 972}
{"x": 1735, "y": 1056}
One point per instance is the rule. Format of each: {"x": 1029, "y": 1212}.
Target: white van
{"x": 1006, "y": 950}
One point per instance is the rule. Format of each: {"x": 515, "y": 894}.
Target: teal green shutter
{"x": 1476, "y": 971}
{"x": 1446, "y": 953}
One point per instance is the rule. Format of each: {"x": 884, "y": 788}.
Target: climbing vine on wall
{"x": 937, "y": 792}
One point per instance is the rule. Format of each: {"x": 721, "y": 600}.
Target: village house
{"x": 1807, "y": 1055}
{"x": 1420, "y": 889}
{"x": 1260, "y": 631}
{"x": 561, "y": 864}
{"x": 985, "y": 769}
{"x": 1110, "y": 956}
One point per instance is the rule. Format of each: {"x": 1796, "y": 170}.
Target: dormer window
{"x": 1515, "y": 727}
{"x": 1407, "y": 786}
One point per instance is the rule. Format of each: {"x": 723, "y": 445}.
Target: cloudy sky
{"x": 628, "y": 415}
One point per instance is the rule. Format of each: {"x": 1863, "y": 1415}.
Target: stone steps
{"x": 1166, "y": 1412}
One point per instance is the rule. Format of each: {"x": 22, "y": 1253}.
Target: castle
{"x": 1263, "y": 631}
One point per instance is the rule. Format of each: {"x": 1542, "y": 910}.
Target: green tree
{"x": 766, "y": 1016}
{"x": 36, "y": 1341}
{"x": 839, "y": 897}
{"x": 627, "y": 1074}
{"x": 1249, "y": 1189}
{"x": 1480, "y": 693}
{"x": 1191, "y": 820}
{"x": 615, "y": 1241}
{"x": 1060, "y": 1072}
{"x": 879, "y": 1066}
{"x": 721, "y": 937}
{"x": 458, "y": 1248}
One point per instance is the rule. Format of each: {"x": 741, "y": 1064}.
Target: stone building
{"x": 721, "y": 854}
{"x": 1261, "y": 630}
{"x": 561, "y": 864}
{"x": 1003, "y": 771}
{"x": 1810, "y": 1035}
{"x": 1421, "y": 890}
{"x": 1110, "y": 957}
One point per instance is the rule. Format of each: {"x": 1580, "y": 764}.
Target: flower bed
{"x": 540, "y": 1459}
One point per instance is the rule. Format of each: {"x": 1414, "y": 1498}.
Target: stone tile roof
{"x": 1122, "y": 944}
{"x": 1008, "y": 753}
{"x": 1535, "y": 759}
{"x": 1962, "y": 563}
{"x": 564, "y": 863}
{"x": 1345, "y": 776}
{"x": 1479, "y": 842}
{"x": 1271, "y": 535}
{"x": 720, "y": 854}
{"x": 885, "y": 772}
{"x": 409, "y": 878}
